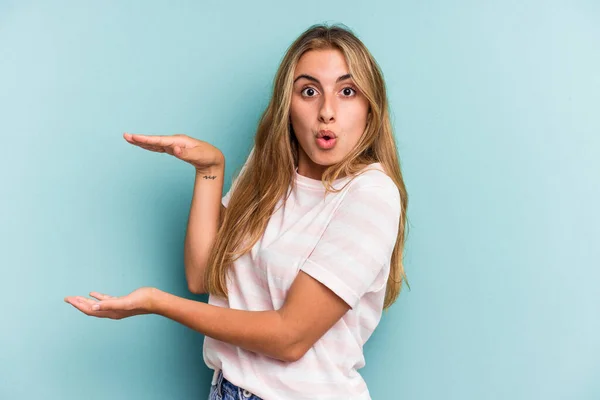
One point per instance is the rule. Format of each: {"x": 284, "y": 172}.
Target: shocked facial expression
{"x": 328, "y": 113}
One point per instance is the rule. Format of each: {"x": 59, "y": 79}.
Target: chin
{"x": 325, "y": 161}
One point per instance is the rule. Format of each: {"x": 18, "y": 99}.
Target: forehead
{"x": 327, "y": 64}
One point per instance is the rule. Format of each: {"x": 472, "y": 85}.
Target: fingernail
{"x": 96, "y": 307}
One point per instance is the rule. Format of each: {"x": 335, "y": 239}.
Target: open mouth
{"x": 326, "y": 142}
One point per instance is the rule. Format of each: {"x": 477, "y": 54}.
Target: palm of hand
{"x": 137, "y": 302}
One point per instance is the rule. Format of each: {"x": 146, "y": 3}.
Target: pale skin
{"x": 310, "y": 308}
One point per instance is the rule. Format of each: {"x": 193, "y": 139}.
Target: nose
{"x": 327, "y": 112}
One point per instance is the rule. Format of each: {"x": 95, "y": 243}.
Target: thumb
{"x": 179, "y": 152}
{"x": 107, "y": 305}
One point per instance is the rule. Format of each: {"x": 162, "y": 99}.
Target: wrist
{"x": 154, "y": 300}
{"x": 211, "y": 172}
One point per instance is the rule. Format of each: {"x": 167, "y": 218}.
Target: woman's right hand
{"x": 202, "y": 155}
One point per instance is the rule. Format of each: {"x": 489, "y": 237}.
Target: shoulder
{"x": 373, "y": 178}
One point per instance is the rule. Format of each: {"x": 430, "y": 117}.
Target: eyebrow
{"x": 312, "y": 78}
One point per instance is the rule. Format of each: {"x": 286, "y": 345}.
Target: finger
{"x": 143, "y": 145}
{"x": 101, "y": 296}
{"x": 75, "y": 301}
{"x": 165, "y": 146}
{"x": 169, "y": 143}
{"x": 77, "y": 304}
{"x": 111, "y": 304}
{"x": 166, "y": 143}
{"x": 85, "y": 301}
{"x": 179, "y": 151}
{"x": 151, "y": 148}
{"x": 83, "y": 304}
{"x": 161, "y": 141}
{"x": 87, "y": 310}
{"x": 92, "y": 306}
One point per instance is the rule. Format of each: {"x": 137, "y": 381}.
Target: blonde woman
{"x": 304, "y": 252}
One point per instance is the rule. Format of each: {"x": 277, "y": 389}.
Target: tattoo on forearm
{"x": 209, "y": 177}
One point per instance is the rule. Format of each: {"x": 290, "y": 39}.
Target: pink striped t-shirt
{"x": 345, "y": 241}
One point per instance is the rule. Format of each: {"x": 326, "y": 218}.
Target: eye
{"x": 310, "y": 92}
{"x": 349, "y": 91}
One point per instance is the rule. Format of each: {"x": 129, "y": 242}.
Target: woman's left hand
{"x": 137, "y": 302}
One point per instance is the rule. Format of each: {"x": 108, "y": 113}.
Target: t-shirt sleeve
{"x": 225, "y": 199}
{"x": 354, "y": 252}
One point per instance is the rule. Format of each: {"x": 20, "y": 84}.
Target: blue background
{"x": 496, "y": 112}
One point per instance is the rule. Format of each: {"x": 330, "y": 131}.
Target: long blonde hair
{"x": 270, "y": 168}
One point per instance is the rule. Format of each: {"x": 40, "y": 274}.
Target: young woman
{"x": 305, "y": 251}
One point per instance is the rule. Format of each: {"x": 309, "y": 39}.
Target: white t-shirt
{"x": 345, "y": 241}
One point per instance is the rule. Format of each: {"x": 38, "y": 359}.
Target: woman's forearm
{"x": 203, "y": 224}
{"x": 258, "y": 331}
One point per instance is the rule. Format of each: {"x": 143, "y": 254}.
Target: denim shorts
{"x": 222, "y": 389}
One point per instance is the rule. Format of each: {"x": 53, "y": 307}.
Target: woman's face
{"x": 325, "y": 98}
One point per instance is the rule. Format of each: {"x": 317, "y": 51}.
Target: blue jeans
{"x": 225, "y": 390}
